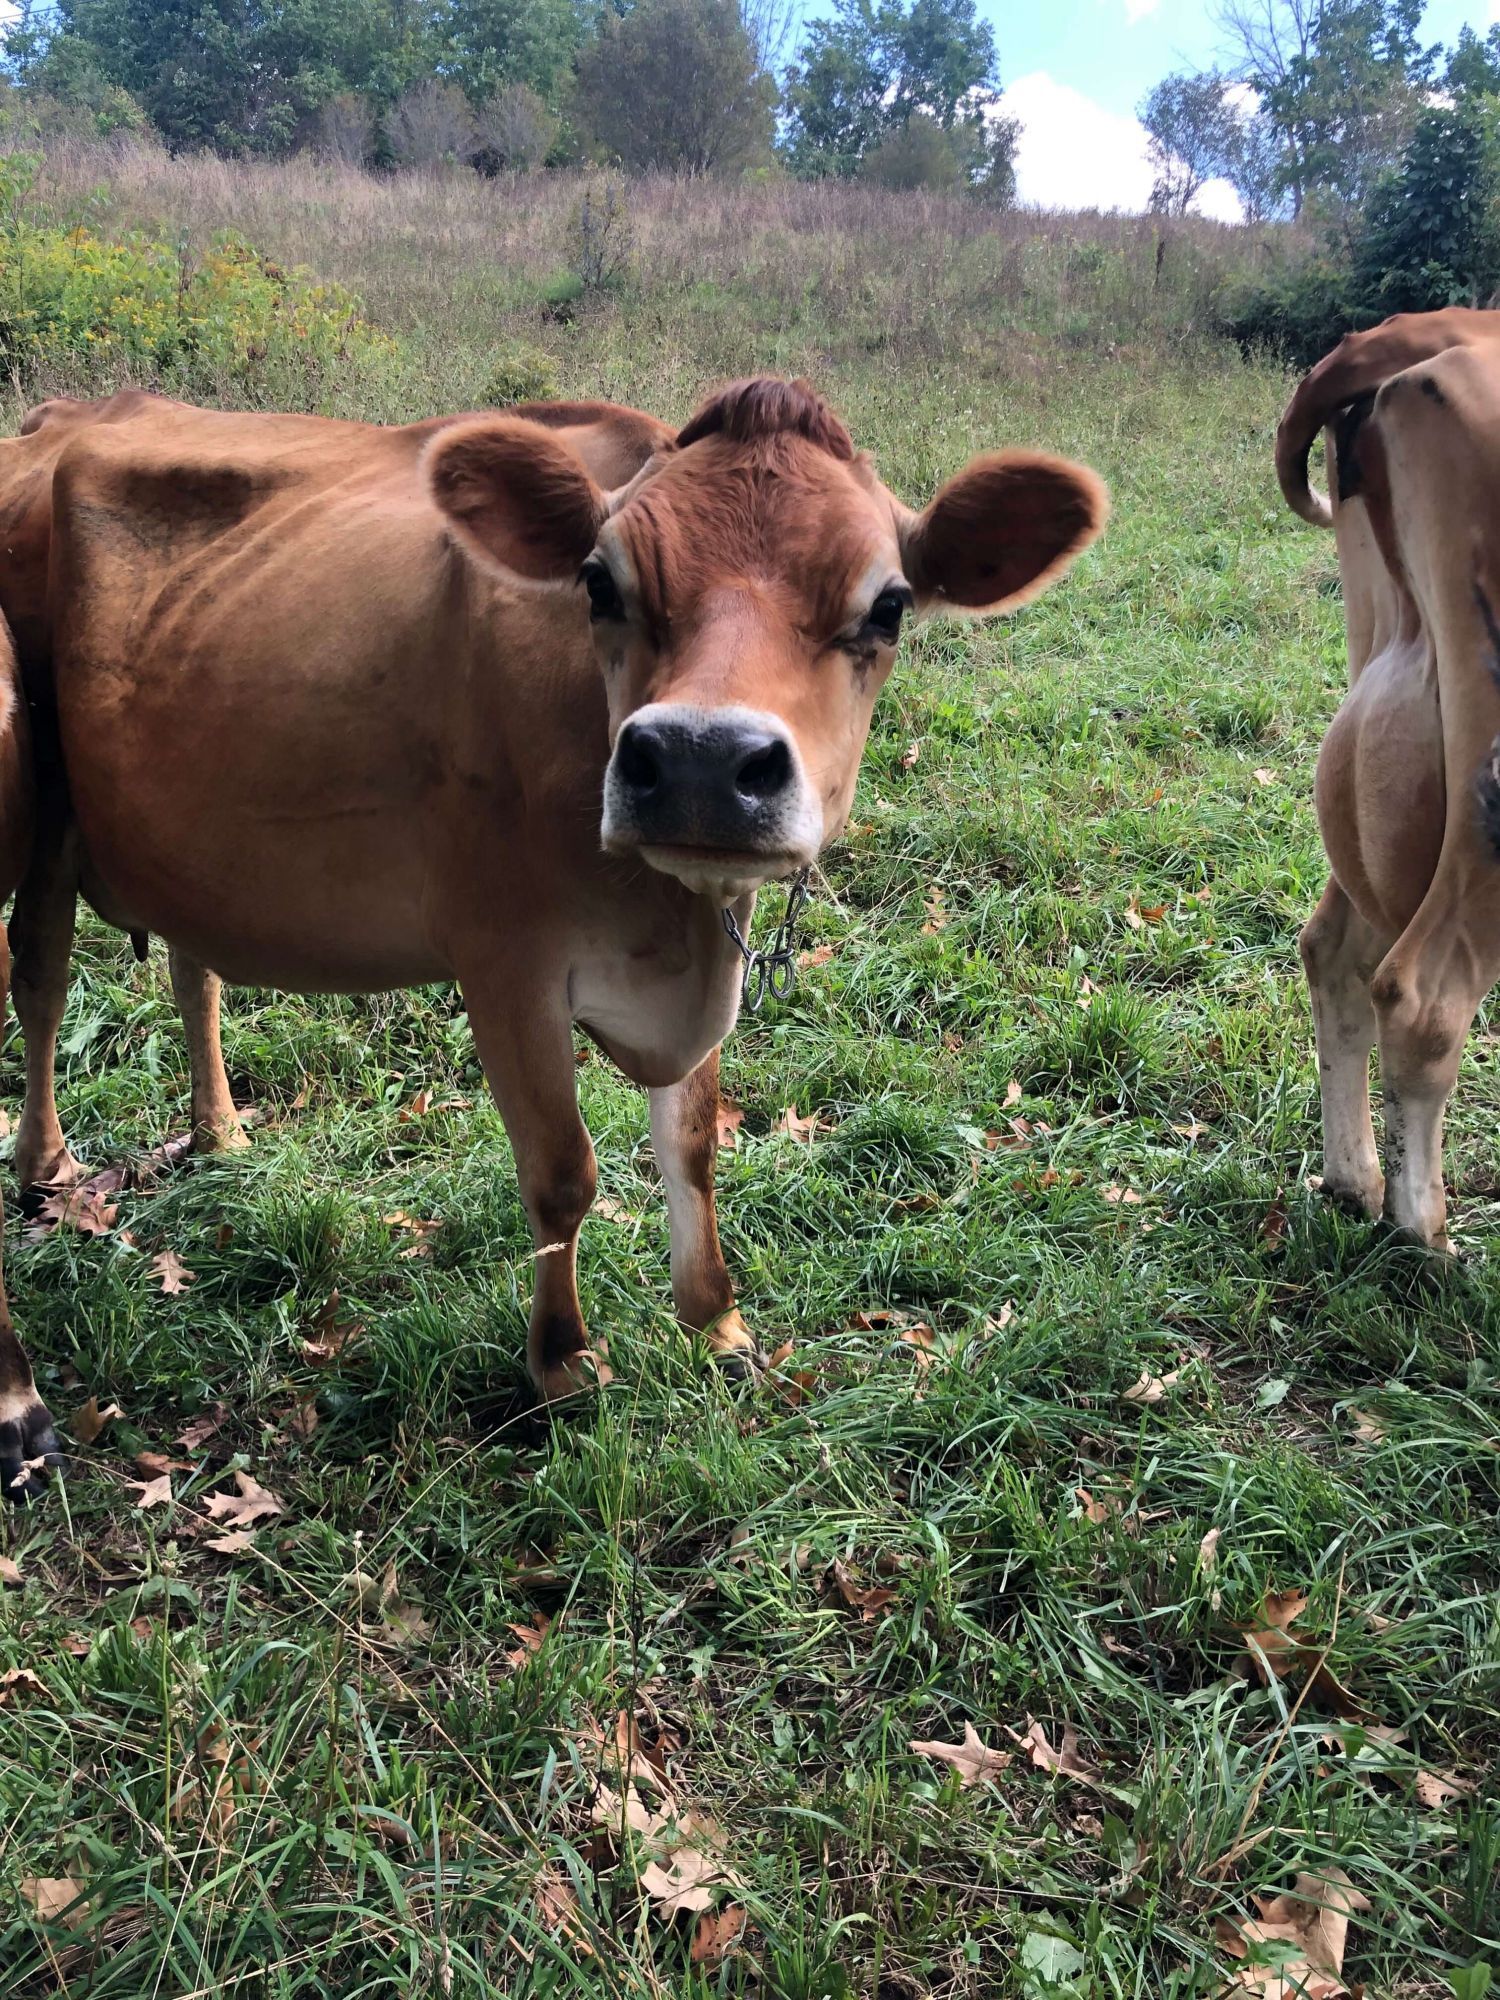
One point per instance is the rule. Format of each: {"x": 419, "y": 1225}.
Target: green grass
{"x": 397, "y": 1797}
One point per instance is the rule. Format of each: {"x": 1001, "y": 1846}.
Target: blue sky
{"x": 1075, "y": 70}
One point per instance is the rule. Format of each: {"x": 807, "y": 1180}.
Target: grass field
{"x": 1058, "y": 1047}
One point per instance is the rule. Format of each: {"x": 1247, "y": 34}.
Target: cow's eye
{"x": 605, "y": 601}
{"x": 885, "y": 614}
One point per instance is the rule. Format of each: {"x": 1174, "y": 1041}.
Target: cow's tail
{"x": 1357, "y": 367}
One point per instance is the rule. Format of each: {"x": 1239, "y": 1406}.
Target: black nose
{"x": 702, "y": 779}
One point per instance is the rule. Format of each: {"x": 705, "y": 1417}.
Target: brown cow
{"x": 1406, "y": 941}
{"x": 613, "y": 441}
{"x": 335, "y": 714}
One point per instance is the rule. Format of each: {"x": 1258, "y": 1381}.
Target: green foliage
{"x": 1428, "y": 236}
{"x": 140, "y": 309}
{"x": 1191, "y": 128}
{"x": 878, "y": 64}
{"x": 521, "y": 375}
{"x": 676, "y": 85}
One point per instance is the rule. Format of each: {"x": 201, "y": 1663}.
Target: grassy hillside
{"x": 1059, "y": 1052}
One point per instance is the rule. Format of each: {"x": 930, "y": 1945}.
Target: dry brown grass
{"x": 446, "y": 250}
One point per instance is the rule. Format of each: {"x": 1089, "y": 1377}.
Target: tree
{"x": 1255, "y": 164}
{"x": 1190, "y": 126}
{"x": 428, "y": 124}
{"x": 675, "y": 84}
{"x": 514, "y": 132}
{"x": 492, "y": 43}
{"x": 1430, "y": 235}
{"x": 878, "y": 64}
{"x": 238, "y": 75}
{"x": 1342, "y": 82}
{"x": 1474, "y": 65}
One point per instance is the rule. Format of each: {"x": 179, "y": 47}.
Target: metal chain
{"x": 772, "y": 970}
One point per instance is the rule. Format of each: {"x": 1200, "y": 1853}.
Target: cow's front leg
{"x": 525, "y": 1042}
{"x": 27, "y": 1438}
{"x": 685, "y": 1134}
{"x": 216, "y": 1123}
{"x": 41, "y": 936}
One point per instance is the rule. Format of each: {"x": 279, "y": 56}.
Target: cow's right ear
{"x": 518, "y": 499}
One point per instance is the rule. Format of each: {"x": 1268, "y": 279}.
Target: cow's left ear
{"x": 1002, "y": 530}
{"x": 517, "y": 496}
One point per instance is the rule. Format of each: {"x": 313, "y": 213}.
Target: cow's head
{"x": 746, "y": 591}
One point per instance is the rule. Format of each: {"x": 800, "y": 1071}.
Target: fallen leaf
{"x": 56, "y": 1898}
{"x": 1097, "y": 1511}
{"x": 200, "y": 1429}
{"x": 152, "y": 1492}
{"x": 83, "y": 1208}
{"x": 1122, "y": 1196}
{"x": 236, "y": 1542}
{"x": 819, "y": 955}
{"x": 419, "y": 1107}
{"x": 1013, "y": 1094}
{"x": 1438, "y": 1789}
{"x": 1273, "y": 1224}
{"x": 1208, "y": 1551}
{"x": 152, "y": 1464}
{"x": 1264, "y": 776}
{"x": 998, "y": 1322}
{"x": 531, "y": 1637}
{"x": 1063, "y": 1762}
{"x": 170, "y": 1272}
{"x": 1367, "y": 1429}
{"x": 1278, "y": 1650}
{"x": 911, "y": 753}
{"x": 686, "y": 1875}
{"x": 868, "y": 1600}
{"x": 302, "y": 1418}
{"x": 937, "y": 916}
{"x": 18, "y": 1684}
{"x": 974, "y": 1761}
{"x": 1314, "y": 1921}
{"x": 10, "y": 1572}
{"x": 330, "y": 1333}
{"x": 557, "y": 1906}
{"x": 1151, "y": 1388}
{"x": 86, "y": 1423}
{"x": 1194, "y": 1129}
{"x": 731, "y": 1118}
{"x": 716, "y": 1931}
{"x": 1086, "y": 991}
{"x": 251, "y": 1503}
{"x": 803, "y": 1130}
{"x": 419, "y": 1232}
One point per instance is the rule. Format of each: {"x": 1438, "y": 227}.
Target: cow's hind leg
{"x": 1339, "y": 953}
{"x": 1427, "y": 991}
{"x": 525, "y": 1042}
{"x": 42, "y": 939}
{"x": 27, "y": 1439}
{"x": 685, "y": 1135}
{"x": 216, "y": 1123}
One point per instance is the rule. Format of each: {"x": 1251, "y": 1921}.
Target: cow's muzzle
{"x": 714, "y": 796}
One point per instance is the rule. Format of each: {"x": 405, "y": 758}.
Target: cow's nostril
{"x": 637, "y": 762}
{"x": 766, "y": 773}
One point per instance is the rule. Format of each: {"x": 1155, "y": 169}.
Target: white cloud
{"x": 1137, "y": 10}
{"x": 1073, "y": 153}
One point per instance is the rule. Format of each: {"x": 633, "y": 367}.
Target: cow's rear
{"x": 1406, "y": 941}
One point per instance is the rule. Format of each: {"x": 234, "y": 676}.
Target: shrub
{"x": 1428, "y": 236}
{"x": 919, "y": 154}
{"x": 137, "y": 308}
{"x": 521, "y": 375}
{"x": 513, "y": 133}
{"x": 600, "y": 237}
{"x": 428, "y": 125}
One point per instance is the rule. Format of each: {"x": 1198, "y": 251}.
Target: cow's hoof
{"x": 28, "y": 1451}
{"x": 575, "y": 1374}
{"x": 57, "y": 1175}
{"x": 735, "y": 1348}
{"x": 221, "y": 1135}
{"x": 1354, "y": 1199}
